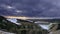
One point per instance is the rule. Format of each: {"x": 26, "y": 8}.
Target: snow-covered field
{"x": 2, "y": 32}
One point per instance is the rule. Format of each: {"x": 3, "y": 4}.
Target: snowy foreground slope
{"x": 2, "y": 32}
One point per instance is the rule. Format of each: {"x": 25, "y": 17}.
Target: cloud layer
{"x": 30, "y": 8}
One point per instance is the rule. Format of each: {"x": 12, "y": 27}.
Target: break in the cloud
{"x": 31, "y": 8}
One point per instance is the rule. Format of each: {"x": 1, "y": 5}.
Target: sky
{"x": 30, "y": 8}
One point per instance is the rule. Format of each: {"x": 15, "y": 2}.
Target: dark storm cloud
{"x": 31, "y": 8}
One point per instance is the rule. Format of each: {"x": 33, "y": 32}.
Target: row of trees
{"x": 26, "y": 27}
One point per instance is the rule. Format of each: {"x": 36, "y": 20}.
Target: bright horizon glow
{"x": 24, "y": 18}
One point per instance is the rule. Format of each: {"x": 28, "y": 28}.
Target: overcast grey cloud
{"x": 30, "y": 8}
